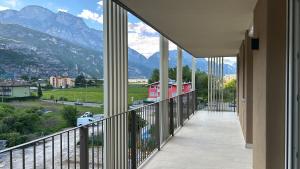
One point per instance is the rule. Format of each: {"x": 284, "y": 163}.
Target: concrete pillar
{"x": 269, "y": 84}
{"x": 193, "y": 73}
{"x": 179, "y": 82}
{"x": 179, "y": 71}
{"x": 164, "y": 85}
{"x": 115, "y": 63}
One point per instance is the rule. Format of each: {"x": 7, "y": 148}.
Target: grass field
{"x": 52, "y": 106}
{"x": 94, "y": 94}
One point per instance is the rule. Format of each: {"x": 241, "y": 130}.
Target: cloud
{"x": 2, "y": 8}
{"x": 230, "y": 60}
{"x": 141, "y": 28}
{"x": 62, "y": 10}
{"x": 12, "y": 3}
{"x": 100, "y": 3}
{"x": 144, "y": 39}
{"x": 89, "y": 15}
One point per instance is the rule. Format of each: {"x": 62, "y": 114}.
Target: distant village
{"x": 28, "y": 87}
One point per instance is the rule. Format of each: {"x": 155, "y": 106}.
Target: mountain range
{"x": 39, "y": 42}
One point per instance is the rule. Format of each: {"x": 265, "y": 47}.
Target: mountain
{"x": 201, "y": 63}
{"x": 62, "y": 25}
{"x": 40, "y": 42}
{"x": 25, "y": 51}
{"x": 72, "y": 29}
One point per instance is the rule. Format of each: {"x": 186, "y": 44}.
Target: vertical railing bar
{"x": 44, "y": 153}
{"x": 102, "y": 143}
{"x": 23, "y": 157}
{"x": 52, "y": 152}
{"x": 157, "y": 126}
{"x": 98, "y": 147}
{"x": 11, "y": 158}
{"x": 117, "y": 139}
{"x": 93, "y": 149}
{"x": 34, "y": 155}
{"x": 68, "y": 140}
{"x": 61, "y": 154}
{"x": 75, "y": 162}
{"x": 133, "y": 140}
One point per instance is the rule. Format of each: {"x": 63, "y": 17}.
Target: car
{"x": 78, "y": 103}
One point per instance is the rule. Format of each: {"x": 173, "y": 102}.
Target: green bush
{"x": 70, "y": 114}
{"x": 62, "y": 99}
{"x": 13, "y": 138}
{"x": 97, "y": 140}
{"x": 51, "y": 97}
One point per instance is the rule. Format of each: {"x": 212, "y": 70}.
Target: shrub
{"x": 96, "y": 141}
{"x": 70, "y": 114}
{"x": 13, "y": 138}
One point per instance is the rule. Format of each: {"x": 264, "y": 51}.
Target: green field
{"x": 93, "y": 94}
{"x": 52, "y": 106}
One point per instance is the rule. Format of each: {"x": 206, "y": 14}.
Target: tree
{"x": 154, "y": 77}
{"x": 40, "y": 92}
{"x": 70, "y": 114}
{"x": 230, "y": 90}
{"x": 80, "y": 81}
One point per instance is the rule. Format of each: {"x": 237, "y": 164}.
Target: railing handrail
{"x": 86, "y": 125}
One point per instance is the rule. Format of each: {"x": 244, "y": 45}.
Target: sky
{"x": 141, "y": 37}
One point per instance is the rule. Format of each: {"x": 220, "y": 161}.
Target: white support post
{"x": 179, "y": 82}
{"x": 193, "y": 73}
{"x": 164, "y": 86}
{"x": 179, "y": 71}
{"x": 115, "y": 61}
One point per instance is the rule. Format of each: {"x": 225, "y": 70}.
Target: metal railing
{"x": 83, "y": 147}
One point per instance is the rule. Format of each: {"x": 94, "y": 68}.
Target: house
{"x": 14, "y": 89}
{"x": 154, "y": 94}
{"x": 138, "y": 81}
{"x": 62, "y": 81}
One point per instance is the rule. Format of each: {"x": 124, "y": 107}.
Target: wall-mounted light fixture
{"x": 254, "y": 43}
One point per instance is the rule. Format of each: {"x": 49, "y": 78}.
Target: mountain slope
{"x": 23, "y": 50}
{"x": 72, "y": 29}
{"x": 201, "y": 63}
{"x": 61, "y": 25}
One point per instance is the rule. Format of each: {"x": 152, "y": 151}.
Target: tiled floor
{"x": 210, "y": 140}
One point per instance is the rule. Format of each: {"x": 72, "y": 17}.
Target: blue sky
{"x": 141, "y": 37}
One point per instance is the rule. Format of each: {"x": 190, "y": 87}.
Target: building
{"x": 14, "y": 89}
{"x": 264, "y": 35}
{"x": 228, "y": 78}
{"x": 62, "y": 82}
{"x": 154, "y": 91}
{"x": 138, "y": 81}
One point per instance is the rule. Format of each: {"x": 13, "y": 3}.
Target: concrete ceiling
{"x": 204, "y": 28}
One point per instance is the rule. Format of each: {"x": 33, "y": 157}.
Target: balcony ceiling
{"x": 204, "y": 28}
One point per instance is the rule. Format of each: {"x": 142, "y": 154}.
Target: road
{"x": 73, "y": 103}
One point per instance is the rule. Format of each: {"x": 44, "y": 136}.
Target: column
{"x": 164, "y": 86}
{"x": 115, "y": 61}
{"x": 179, "y": 71}
{"x": 193, "y": 73}
{"x": 179, "y": 83}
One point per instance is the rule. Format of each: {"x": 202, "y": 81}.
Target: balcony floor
{"x": 209, "y": 140}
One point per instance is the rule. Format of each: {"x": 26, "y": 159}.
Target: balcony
{"x": 209, "y": 140}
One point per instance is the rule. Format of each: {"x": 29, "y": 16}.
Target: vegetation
{"x": 93, "y": 94}
{"x": 20, "y": 125}
{"x": 230, "y": 90}
{"x": 27, "y": 120}
{"x": 70, "y": 114}
{"x": 201, "y": 80}
{"x": 40, "y": 92}
{"x": 80, "y": 81}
